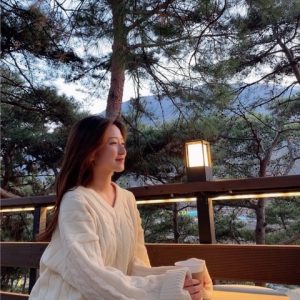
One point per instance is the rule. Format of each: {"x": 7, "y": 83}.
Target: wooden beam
{"x": 17, "y": 254}
{"x": 35, "y": 201}
{"x": 211, "y": 188}
{"x": 259, "y": 263}
{"x": 220, "y": 187}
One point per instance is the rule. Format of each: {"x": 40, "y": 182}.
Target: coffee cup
{"x": 195, "y": 265}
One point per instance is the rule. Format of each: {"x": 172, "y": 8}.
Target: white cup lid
{"x": 194, "y": 264}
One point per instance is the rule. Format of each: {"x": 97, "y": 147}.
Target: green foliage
{"x": 252, "y": 142}
{"x": 237, "y": 225}
{"x": 34, "y": 127}
{"x": 155, "y": 154}
{"x": 229, "y": 228}
{"x": 28, "y": 28}
{"x": 15, "y": 279}
{"x": 188, "y": 229}
{"x": 16, "y": 226}
{"x": 282, "y": 218}
{"x": 205, "y": 101}
{"x": 265, "y": 30}
{"x": 269, "y": 12}
{"x": 158, "y": 225}
{"x": 166, "y": 30}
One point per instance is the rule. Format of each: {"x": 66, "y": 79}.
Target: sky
{"x": 96, "y": 105}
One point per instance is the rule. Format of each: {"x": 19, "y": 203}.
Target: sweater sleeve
{"x": 84, "y": 269}
{"x": 141, "y": 266}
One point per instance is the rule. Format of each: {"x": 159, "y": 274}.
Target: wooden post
{"x": 35, "y": 231}
{"x": 43, "y": 219}
{"x": 36, "y": 222}
{"x": 39, "y": 225}
{"x": 39, "y": 220}
{"x": 205, "y": 212}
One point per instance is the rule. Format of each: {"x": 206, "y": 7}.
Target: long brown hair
{"x": 84, "y": 139}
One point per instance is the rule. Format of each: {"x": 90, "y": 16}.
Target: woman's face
{"x": 111, "y": 154}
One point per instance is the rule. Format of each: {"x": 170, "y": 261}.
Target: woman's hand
{"x": 194, "y": 287}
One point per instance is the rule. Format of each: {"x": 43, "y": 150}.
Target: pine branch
{"x": 148, "y": 14}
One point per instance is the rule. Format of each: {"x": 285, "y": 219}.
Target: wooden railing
{"x": 203, "y": 191}
{"x": 274, "y": 264}
{"x": 247, "y": 263}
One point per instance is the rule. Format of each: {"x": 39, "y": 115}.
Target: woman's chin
{"x": 119, "y": 169}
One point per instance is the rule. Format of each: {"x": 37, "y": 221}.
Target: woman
{"x": 97, "y": 246}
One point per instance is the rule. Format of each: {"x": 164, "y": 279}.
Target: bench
{"x": 242, "y": 263}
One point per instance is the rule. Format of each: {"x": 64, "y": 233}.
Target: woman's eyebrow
{"x": 116, "y": 137}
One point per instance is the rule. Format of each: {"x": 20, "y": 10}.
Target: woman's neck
{"x": 102, "y": 184}
{"x": 105, "y": 189}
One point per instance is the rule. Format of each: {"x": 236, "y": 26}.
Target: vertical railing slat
{"x": 205, "y": 214}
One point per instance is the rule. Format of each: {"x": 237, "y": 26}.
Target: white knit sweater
{"x": 98, "y": 252}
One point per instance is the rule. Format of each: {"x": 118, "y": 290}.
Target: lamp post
{"x": 198, "y": 160}
{"x": 198, "y": 168}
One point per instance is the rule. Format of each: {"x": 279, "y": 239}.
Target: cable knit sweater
{"x": 97, "y": 252}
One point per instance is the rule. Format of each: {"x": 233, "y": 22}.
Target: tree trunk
{"x": 260, "y": 232}
{"x": 175, "y": 223}
{"x": 118, "y": 61}
{"x": 8, "y": 169}
{"x": 260, "y": 229}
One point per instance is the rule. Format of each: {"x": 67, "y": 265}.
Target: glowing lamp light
{"x": 198, "y": 161}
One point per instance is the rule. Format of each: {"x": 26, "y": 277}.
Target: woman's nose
{"x": 122, "y": 149}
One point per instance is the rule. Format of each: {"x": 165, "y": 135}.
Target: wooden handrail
{"x": 12, "y": 296}
{"x": 213, "y": 188}
{"x": 220, "y": 187}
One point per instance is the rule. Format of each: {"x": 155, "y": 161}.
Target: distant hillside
{"x": 155, "y": 111}
{"x": 162, "y": 110}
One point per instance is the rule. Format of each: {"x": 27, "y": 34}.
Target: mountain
{"x": 156, "y": 111}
